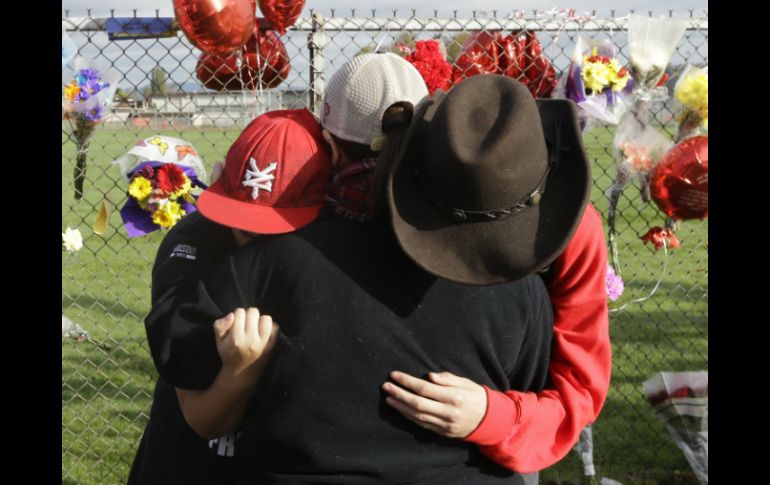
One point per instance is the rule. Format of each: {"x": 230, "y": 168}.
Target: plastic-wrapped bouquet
{"x": 692, "y": 91}
{"x": 639, "y": 148}
{"x": 681, "y": 402}
{"x": 596, "y": 81}
{"x": 164, "y": 176}
{"x": 86, "y": 100}
{"x": 162, "y": 192}
{"x": 651, "y": 43}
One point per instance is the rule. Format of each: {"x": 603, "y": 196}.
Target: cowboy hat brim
{"x": 499, "y": 251}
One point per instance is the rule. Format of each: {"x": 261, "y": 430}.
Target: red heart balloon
{"x": 680, "y": 181}
{"x": 216, "y": 26}
{"x": 528, "y": 64}
{"x": 281, "y": 13}
{"x": 218, "y": 72}
{"x": 264, "y": 62}
{"x": 479, "y": 55}
{"x": 519, "y": 56}
{"x": 267, "y": 62}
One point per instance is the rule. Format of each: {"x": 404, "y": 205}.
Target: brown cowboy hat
{"x": 490, "y": 184}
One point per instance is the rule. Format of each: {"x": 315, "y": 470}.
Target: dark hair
{"x": 395, "y": 122}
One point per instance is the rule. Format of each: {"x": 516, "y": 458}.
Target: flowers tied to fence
{"x": 160, "y": 194}
{"x": 86, "y": 100}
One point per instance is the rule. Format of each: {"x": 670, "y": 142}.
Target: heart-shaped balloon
{"x": 216, "y": 26}
{"x": 264, "y": 63}
{"x": 526, "y": 62}
{"x": 218, "y": 72}
{"x": 517, "y": 55}
{"x": 479, "y": 55}
{"x": 281, "y": 13}
{"x": 680, "y": 181}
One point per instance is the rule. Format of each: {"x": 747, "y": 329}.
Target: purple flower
{"x": 614, "y": 284}
{"x": 90, "y": 74}
{"x": 92, "y": 87}
{"x": 94, "y": 114}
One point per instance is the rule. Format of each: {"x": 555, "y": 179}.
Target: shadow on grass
{"x": 114, "y": 307}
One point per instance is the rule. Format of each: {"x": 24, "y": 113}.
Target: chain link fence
{"x": 107, "y": 378}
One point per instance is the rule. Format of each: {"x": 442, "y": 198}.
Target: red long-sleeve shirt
{"x": 527, "y": 431}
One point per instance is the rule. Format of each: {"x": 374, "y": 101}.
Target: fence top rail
{"x": 430, "y": 24}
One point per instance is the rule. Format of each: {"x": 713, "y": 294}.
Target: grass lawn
{"x": 105, "y": 288}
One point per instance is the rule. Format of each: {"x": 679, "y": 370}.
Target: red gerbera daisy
{"x": 170, "y": 177}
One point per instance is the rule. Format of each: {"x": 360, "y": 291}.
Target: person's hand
{"x": 245, "y": 341}
{"x": 449, "y": 405}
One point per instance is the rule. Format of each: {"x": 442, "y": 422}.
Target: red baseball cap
{"x": 275, "y": 177}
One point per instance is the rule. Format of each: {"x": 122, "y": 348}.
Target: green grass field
{"x": 105, "y": 288}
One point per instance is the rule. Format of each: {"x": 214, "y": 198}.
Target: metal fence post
{"x": 316, "y": 43}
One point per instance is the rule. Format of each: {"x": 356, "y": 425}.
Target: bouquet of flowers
{"x": 639, "y": 148}
{"x": 680, "y": 401}
{"x": 86, "y": 100}
{"x": 596, "y": 81}
{"x": 164, "y": 176}
{"x": 160, "y": 194}
{"x": 651, "y": 43}
{"x": 429, "y": 57}
{"x": 692, "y": 91}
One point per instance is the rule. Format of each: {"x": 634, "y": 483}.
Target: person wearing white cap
{"x": 367, "y": 106}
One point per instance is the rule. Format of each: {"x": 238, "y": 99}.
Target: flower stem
{"x": 80, "y": 172}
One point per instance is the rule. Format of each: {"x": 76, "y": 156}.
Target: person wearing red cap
{"x": 548, "y": 422}
{"x": 274, "y": 181}
{"x": 352, "y": 306}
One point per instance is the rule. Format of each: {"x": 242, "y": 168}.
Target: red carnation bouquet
{"x": 430, "y": 59}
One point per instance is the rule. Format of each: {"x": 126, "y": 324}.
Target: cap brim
{"x": 216, "y": 205}
{"x": 486, "y": 253}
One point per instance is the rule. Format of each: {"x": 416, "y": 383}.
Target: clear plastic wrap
{"x": 596, "y": 82}
{"x": 680, "y": 400}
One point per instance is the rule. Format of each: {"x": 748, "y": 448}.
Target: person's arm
{"x": 245, "y": 341}
{"x": 186, "y": 253}
{"x": 180, "y": 328}
{"x": 457, "y": 407}
{"x": 528, "y": 431}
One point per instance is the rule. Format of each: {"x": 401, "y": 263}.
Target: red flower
{"x": 170, "y": 177}
{"x": 427, "y": 59}
{"x": 659, "y": 236}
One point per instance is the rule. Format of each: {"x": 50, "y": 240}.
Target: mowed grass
{"x": 106, "y": 394}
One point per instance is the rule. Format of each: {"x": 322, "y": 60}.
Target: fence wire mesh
{"x": 106, "y": 388}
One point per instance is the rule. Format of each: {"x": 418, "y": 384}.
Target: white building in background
{"x": 206, "y": 109}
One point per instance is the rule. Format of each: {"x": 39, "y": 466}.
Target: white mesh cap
{"x": 361, "y": 90}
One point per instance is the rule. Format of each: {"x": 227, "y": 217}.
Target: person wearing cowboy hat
{"x": 353, "y": 306}
{"x": 481, "y": 194}
{"x": 573, "y": 280}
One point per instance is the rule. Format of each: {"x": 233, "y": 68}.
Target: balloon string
{"x": 657, "y": 285}
{"x": 258, "y": 92}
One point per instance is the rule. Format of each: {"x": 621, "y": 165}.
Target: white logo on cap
{"x": 259, "y": 179}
